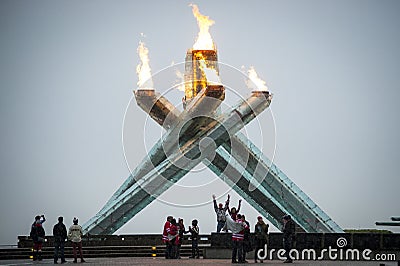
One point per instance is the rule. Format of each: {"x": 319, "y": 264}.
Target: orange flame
{"x": 210, "y": 74}
{"x": 204, "y": 40}
{"x": 143, "y": 69}
{"x": 254, "y": 82}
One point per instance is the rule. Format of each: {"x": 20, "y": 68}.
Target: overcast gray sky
{"x": 67, "y": 72}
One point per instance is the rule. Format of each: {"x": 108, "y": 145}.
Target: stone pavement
{"x": 190, "y": 262}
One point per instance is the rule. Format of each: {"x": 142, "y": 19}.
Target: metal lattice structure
{"x": 231, "y": 156}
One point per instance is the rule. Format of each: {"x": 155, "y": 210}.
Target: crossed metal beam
{"x": 230, "y": 155}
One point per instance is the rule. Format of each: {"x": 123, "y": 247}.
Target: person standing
{"x": 288, "y": 234}
{"x": 237, "y": 240}
{"x": 75, "y": 234}
{"x": 261, "y": 236}
{"x": 182, "y": 230}
{"x": 37, "y": 234}
{"x": 165, "y": 239}
{"x": 60, "y": 234}
{"x": 220, "y": 211}
{"x": 233, "y": 212}
{"x": 247, "y": 245}
{"x": 173, "y": 237}
{"x": 195, "y": 230}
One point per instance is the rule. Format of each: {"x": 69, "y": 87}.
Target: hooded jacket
{"x": 75, "y": 233}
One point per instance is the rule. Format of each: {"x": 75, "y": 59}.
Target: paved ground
{"x": 189, "y": 262}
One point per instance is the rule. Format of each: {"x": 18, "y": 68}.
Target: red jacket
{"x": 174, "y": 231}
{"x": 166, "y": 231}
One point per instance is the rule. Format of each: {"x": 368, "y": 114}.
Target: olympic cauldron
{"x": 201, "y": 133}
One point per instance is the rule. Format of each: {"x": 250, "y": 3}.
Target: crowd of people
{"x": 173, "y": 234}
{"x": 60, "y": 234}
{"x": 228, "y": 219}
{"x": 240, "y": 228}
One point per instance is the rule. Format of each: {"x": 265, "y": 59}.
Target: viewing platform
{"x": 214, "y": 246}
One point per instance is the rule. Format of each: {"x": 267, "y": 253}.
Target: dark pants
{"x": 168, "y": 250}
{"x": 287, "y": 245}
{"x": 260, "y": 244}
{"x": 174, "y": 250}
{"x": 75, "y": 246}
{"x": 178, "y": 252}
{"x": 237, "y": 249}
{"x": 37, "y": 250}
{"x": 59, "y": 249}
{"x": 195, "y": 248}
{"x": 220, "y": 225}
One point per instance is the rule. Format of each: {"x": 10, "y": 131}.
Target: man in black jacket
{"x": 261, "y": 236}
{"x": 288, "y": 234}
{"x": 60, "y": 234}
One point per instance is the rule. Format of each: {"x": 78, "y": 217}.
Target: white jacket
{"x": 233, "y": 226}
{"x": 75, "y": 233}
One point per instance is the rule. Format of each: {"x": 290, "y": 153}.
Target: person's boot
{"x": 82, "y": 260}
{"x": 75, "y": 261}
{"x": 34, "y": 255}
{"x": 198, "y": 254}
{"x": 192, "y": 257}
{"x": 40, "y": 255}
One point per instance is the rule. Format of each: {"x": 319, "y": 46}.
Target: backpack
{"x": 37, "y": 233}
{"x": 34, "y": 233}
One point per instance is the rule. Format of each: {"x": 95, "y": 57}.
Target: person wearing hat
{"x": 288, "y": 234}
{"x": 37, "y": 234}
{"x": 261, "y": 236}
{"x": 75, "y": 234}
{"x": 220, "y": 211}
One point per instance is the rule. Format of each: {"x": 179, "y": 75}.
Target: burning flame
{"x": 254, "y": 82}
{"x": 204, "y": 40}
{"x": 210, "y": 74}
{"x": 143, "y": 68}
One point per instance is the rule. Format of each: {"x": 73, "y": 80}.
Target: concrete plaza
{"x": 190, "y": 262}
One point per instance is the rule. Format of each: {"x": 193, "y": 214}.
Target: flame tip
{"x": 254, "y": 82}
{"x": 143, "y": 69}
{"x": 203, "y": 40}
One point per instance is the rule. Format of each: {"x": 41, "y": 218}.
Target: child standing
{"x": 194, "y": 230}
